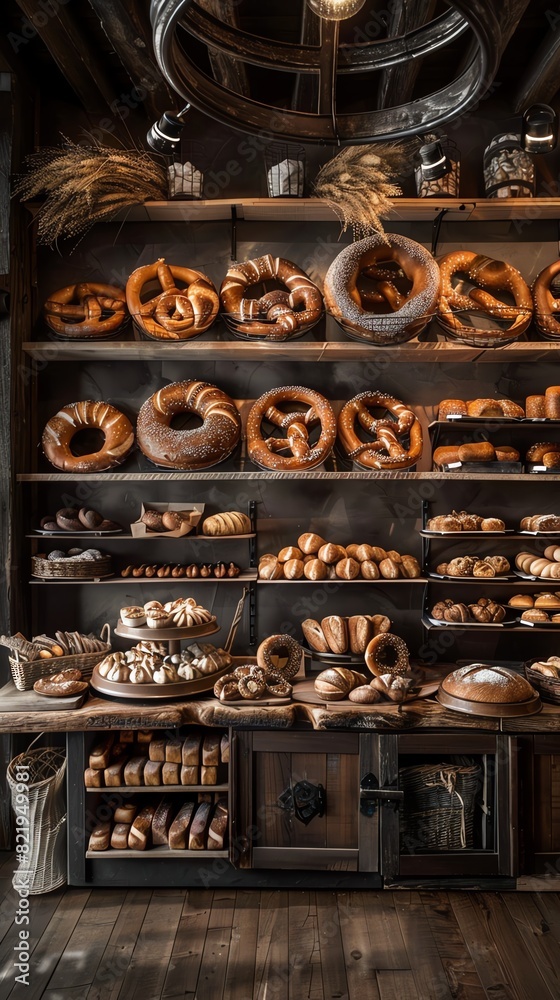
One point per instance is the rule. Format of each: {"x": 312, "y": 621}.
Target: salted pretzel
{"x": 388, "y": 450}
{"x": 296, "y": 424}
{"x": 87, "y": 309}
{"x": 547, "y": 307}
{"x": 385, "y": 315}
{"x": 488, "y": 276}
{"x": 174, "y": 313}
{"x": 285, "y": 312}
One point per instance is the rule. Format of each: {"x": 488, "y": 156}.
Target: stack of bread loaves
{"x": 313, "y": 558}
{"x": 545, "y": 566}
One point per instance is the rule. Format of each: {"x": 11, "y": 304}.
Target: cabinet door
{"x": 541, "y": 804}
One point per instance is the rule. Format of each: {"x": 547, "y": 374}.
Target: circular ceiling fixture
{"x": 280, "y": 69}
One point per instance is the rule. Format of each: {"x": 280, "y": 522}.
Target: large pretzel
{"x": 296, "y": 424}
{"x": 87, "y": 309}
{"x": 285, "y": 312}
{"x": 386, "y": 315}
{"x": 485, "y": 273}
{"x": 547, "y": 307}
{"x": 174, "y": 313}
{"x": 387, "y": 451}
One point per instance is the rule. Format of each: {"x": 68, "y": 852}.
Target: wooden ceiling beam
{"x": 228, "y": 72}
{"x": 541, "y": 79}
{"x": 72, "y": 52}
{"x": 396, "y": 83}
{"x": 135, "y": 52}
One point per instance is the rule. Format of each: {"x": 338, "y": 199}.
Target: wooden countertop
{"x": 99, "y": 713}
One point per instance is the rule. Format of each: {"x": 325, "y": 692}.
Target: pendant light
{"x": 335, "y": 10}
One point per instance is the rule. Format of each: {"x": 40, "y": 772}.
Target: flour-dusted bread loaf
{"x": 101, "y": 753}
{"x": 156, "y": 750}
{"x": 211, "y": 750}
{"x": 171, "y": 773}
{"x": 140, "y": 834}
{"x": 199, "y": 826}
{"x": 179, "y": 829}
{"x": 125, "y": 813}
{"x": 114, "y": 774}
{"x": 190, "y": 775}
{"x": 100, "y": 837}
{"x": 173, "y": 750}
{"x": 483, "y": 682}
{"x": 224, "y": 749}
{"x": 192, "y": 750}
{"x": 231, "y": 522}
{"x": 93, "y": 777}
{"x": 208, "y": 775}
{"x": 119, "y": 836}
{"x": 134, "y": 771}
{"x": 218, "y": 826}
{"x": 161, "y": 822}
{"x": 152, "y": 772}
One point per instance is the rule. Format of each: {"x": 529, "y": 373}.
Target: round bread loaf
{"x": 483, "y": 682}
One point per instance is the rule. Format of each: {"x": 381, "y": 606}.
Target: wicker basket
{"x": 438, "y": 810}
{"x": 548, "y": 687}
{"x": 53, "y": 569}
{"x": 42, "y": 810}
{"x": 26, "y": 672}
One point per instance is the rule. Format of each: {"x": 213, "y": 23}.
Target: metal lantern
{"x": 445, "y": 184}
{"x": 509, "y": 172}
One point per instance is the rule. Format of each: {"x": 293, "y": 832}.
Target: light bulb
{"x": 335, "y": 10}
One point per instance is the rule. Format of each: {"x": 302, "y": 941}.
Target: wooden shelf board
{"x": 418, "y": 579}
{"x": 142, "y": 538}
{"x": 300, "y": 350}
{"x": 153, "y": 854}
{"x": 260, "y": 476}
{"x": 132, "y": 789}
{"x": 242, "y": 578}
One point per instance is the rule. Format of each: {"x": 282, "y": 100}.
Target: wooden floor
{"x": 144, "y": 944}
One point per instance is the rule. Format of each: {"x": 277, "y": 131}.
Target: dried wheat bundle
{"x": 83, "y": 185}
{"x": 360, "y": 181}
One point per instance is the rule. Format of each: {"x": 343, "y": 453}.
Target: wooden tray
{"x": 165, "y": 692}
{"x": 305, "y": 691}
{"x": 335, "y": 659}
{"x": 493, "y": 710}
{"x": 13, "y": 700}
{"x": 165, "y": 634}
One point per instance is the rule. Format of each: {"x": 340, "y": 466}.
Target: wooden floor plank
{"x": 492, "y": 971}
{"x": 387, "y": 946}
{"x": 360, "y": 975}
{"x": 240, "y": 972}
{"x": 272, "y": 969}
{"x": 426, "y": 965}
{"x": 52, "y": 941}
{"x": 463, "y": 979}
{"x": 184, "y": 965}
{"x": 548, "y": 905}
{"x": 83, "y": 953}
{"x": 333, "y": 965}
{"x": 213, "y": 967}
{"x": 42, "y": 909}
{"x": 397, "y": 985}
{"x": 145, "y": 974}
{"x": 118, "y": 952}
{"x": 303, "y": 945}
{"x": 522, "y": 962}
{"x": 537, "y": 936}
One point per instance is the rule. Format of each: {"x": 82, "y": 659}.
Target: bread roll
{"x": 335, "y": 683}
{"x": 211, "y": 750}
{"x": 310, "y": 543}
{"x": 119, "y": 836}
{"x": 535, "y": 406}
{"x": 173, "y": 749}
{"x": 218, "y": 826}
{"x": 134, "y": 771}
{"x": 479, "y": 451}
{"x": 152, "y": 772}
{"x": 101, "y": 753}
{"x": 389, "y": 569}
{"x": 552, "y": 402}
{"x": 290, "y": 552}
{"x": 313, "y": 634}
{"x": 271, "y": 570}
{"x": 293, "y": 569}
{"x": 330, "y": 553}
{"x": 93, "y": 777}
{"x": 369, "y": 570}
{"x": 171, "y": 773}
{"x": 190, "y": 775}
{"x": 365, "y": 694}
{"x": 347, "y": 569}
{"x": 315, "y": 569}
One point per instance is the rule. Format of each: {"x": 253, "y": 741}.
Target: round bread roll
{"x": 365, "y": 694}
{"x": 352, "y": 549}
{"x": 521, "y": 601}
{"x": 547, "y": 601}
{"x": 486, "y": 683}
{"x": 389, "y": 569}
{"x": 310, "y": 543}
{"x": 534, "y": 615}
{"x": 492, "y": 524}
{"x": 347, "y": 569}
{"x": 335, "y": 683}
{"x": 290, "y": 552}
{"x": 377, "y": 553}
{"x": 315, "y": 569}
{"x": 410, "y": 567}
{"x": 330, "y": 553}
{"x": 370, "y": 570}
{"x": 293, "y": 569}
{"x": 271, "y": 570}
{"x": 363, "y": 553}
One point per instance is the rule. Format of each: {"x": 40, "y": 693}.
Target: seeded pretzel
{"x": 387, "y": 450}
{"x": 547, "y": 306}
{"x": 488, "y": 276}
{"x": 286, "y": 312}
{"x": 296, "y": 424}
{"x": 174, "y": 313}
{"x": 86, "y": 310}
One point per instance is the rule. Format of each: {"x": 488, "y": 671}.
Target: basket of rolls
{"x": 544, "y": 675}
{"x": 30, "y": 661}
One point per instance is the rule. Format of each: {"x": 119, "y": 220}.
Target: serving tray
{"x": 493, "y": 710}
{"x": 165, "y": 634}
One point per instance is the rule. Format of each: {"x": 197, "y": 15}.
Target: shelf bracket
{"x": 252, "y": 614}
{"x": 252, "y": 512}
{"x": 436, "y": 228}
{"x": 233, "y": 248}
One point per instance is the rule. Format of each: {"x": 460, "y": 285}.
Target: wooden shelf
{"x": 111, "y": 581}
{"x": 337, "y": 580}
{"x": 486, "y": 627}
{"x": 142, "y": 538}
{"x": 260, "y": 476}
{"x": 132, "y": 789}
{"x": 153, "y": 854}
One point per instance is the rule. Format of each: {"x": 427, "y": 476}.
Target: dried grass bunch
{"x": 83, "y": 185}
{"x": 360, "y": 181}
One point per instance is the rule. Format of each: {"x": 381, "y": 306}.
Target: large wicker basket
{"x": 75, "y": 569}
{"x": 40, "y": 805}
{"x": 26, "y": 672}
{"x": 548, "y": 687}
{"x": 438, "y": 809}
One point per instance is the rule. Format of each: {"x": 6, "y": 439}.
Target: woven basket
{"x": 548, "y": 687}
{"x": 52, "y": 569}
{"x": 41, "y": 810}
{"x": 438, "y": 810}
{"x": 26, "y": 672}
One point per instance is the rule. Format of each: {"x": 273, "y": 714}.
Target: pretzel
{"x": 285, "y": 313}
{"x": 386, "y": 316}
{"x": 174, "y": 313}
{"x": 296, "y": 424}
{"x": 85, "y": 310}
{"x": 485, "y": 273}
{"x": 547, "y": 318}
{"x": 387, "y": 451}
{"x": 85, "y": 415}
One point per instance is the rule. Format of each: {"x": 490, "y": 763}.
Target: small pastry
{"x": 158, "y": 619}
{"x": 133, "y": 617}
